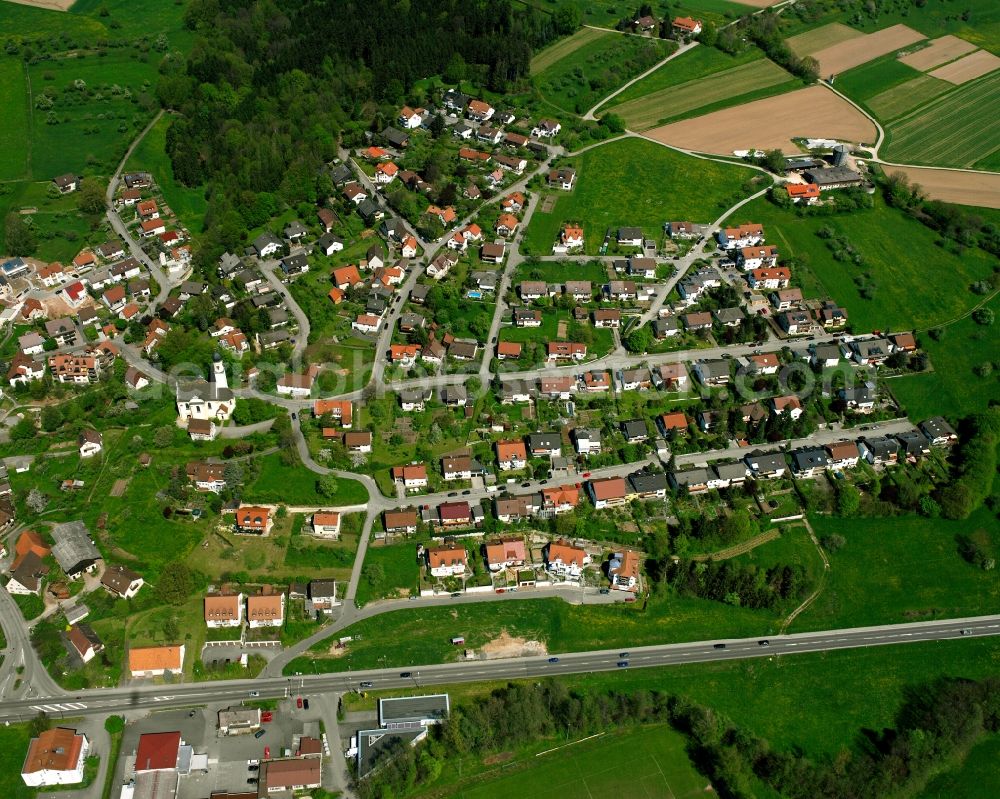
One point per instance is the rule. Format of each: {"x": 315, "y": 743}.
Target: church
{"x": 207, "y": 400}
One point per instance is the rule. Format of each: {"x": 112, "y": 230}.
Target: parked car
{"x": 260, "y": 733}
{"x": 298, "y": 702}
{"x": 305, "y": 704}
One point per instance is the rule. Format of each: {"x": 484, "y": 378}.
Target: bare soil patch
{"x": 824, "y": 36}
{"x": 118, "y": 489}
{"x": 56, "y": 5}
{"x": 940, "y": 51}
{"x": 771, "y": 123}
{"x": 500, "y": 757}
{"x": 951, "y": 186}
{"x": 969, "y": 68}
{"x": 841, "y": 57}
{"x": 505, "y": 646}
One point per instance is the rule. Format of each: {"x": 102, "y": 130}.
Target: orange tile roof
{"x": 509, "y": 348}
{"x": 447, "y": 555}
{"x": 53, "y": 750}
{"x": 222, "y": 608}
{"x": 674, "y": 421}
{"x": 609, "y": 488}
{"x": 567, "y": 553}
{"x": 805, "y": 191}
{"x": 510, "y": 450}
{"x": 154, "y": 658}
{"x": 265, "y": 608}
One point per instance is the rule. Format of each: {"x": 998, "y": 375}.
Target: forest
{"x": 269, "y": 87}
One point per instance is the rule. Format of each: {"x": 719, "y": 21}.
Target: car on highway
{"x": 622, "y": 664}
{"x": 298, "y": 702}
{"x": 966, "y": 631}
{"x": 367, "y": 684}
{"x": 406, "y": 674}
{"x": 260, "y": 733}
{"x": 553, "y": 660}
{"x": 453, "y": 494}
{"x": 254, "y": 693}
{"x": 456, "y": 594}
{"x": 765, "y": 642}
{"x": 623, "y": 655}
{"x": 719, "y": 646}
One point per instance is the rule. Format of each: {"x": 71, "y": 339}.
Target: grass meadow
{"x": 15, "y": 130}
{"x": 13, "y": 746}
{"x": 951, "y": 130}
{"x": 904, "y": 265}
{"x": 906, "y": 96}
{"x": 953, "y": 387}
{"x": 390, "y": 570}
{"x": 649, "y": 761}
{"x": 594, "y": 67}
{"x": 758, "y": 78}
{"x": 976, "y": 778}
{"x": 60, "y": 229}
{"x": 566, "y": 47}
{"x": 636, "y": 182}
{"x": 296, "y": 485}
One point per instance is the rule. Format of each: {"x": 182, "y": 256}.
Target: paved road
{"x": 35, "y": 680}
{"x": 302, "y": 337}
{"x": 117, "y": 700}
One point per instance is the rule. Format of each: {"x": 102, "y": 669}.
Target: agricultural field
{"x": 880, "y": 77}
{"x": 647, "y": 759}
{"x": 151, "y": 155}
{"x": 968, "y": 68}
{"x": 980, "y": 189}
{"x": 14, "y": 134}
{"x": 729, "y": 87}
{"x": 566, "y": 47}
{"x": 953, "y": 387}
{"x": 594, "y": 67}
{"x": 845, "y": 55}
{"x": 895, "y": 284}
{"x": 771, "y": 123}
{"x": 817, "y": 39}
{"x": 904, "y": 97}
{"x": 611, "y": 191}
{"x": 939, "y": 51}
{"x": 950, "y": 130}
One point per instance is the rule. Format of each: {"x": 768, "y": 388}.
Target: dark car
{"x": 406, "y": 674}
{"x": 294, "y": 417}
{"x": 765, "y": 642}
{"x": 605, "y": 591}
{"x": 719, "y": 646}
{"x": 525, "y": 485}
{"x": 453, "y": 494}
{"x": 305, "y": 703}
{"x": 623, "y": 655}
{"x": 456, "y": 594}
{"x": 622, "y": 664}
{"x": 254, "y": 767}
{"x": 553, "y": 660}
{"x": 251, "y": 780}
{"x": 466, "y": 492}
{"x": 259, "y": 733}
{"x": 367, "y": 684}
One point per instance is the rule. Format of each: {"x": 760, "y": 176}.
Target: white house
{"x": 566, "y": 559}
{"x": 207, "y": 400}
{"x": 447, "y": 561}
{"x": 155, "y": 661}
{"x": 223, "y": 611}
{"x": 266, "y": 611}
{"x": 326, "y": 524}
{"x": 90, "y": 443}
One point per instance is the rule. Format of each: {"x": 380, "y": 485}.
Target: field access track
{"x": 646, "y": 112}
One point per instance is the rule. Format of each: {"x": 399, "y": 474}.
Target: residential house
{"x": 450, "y": 560}
{"x": 223, "y": 610}
{"x": 635, "y": 431}
{"x": 807, "y": 193}
{"x": 635, "y": 379}
{"x": 121, "y": 582}
{"x": 511, "y": 455}
{"x": 85, "y": 642}
{"x": 629, "y": 237}
{"x": 341, "y": 411}
{"x": 766, "y": 465}
{"x": 607, "y": 492}
{"x": 795, "y": 323}
{"x": 665, "y": 327}
{"x": 89, "y": 442}
{"x": 566, "y": 351}
{"x": 642, "y": 267}
{"x": 766, "y": 363}
{"x": 461, "y": 467}
{"x": 564, "y": 559}
{"x": 831, "y": 315}
{"x": 809, "y": 462}
{"x": 745, "y": 235}
{"x": 56, "y": 757}
{"x": 647, "y": 485}
{"x": 789, "y": 404}
{"x": 155, "y": 661}
{"x": 413, "y": 399}
{"x": 770, "y": 277}
{"x": 560, "y": 386}
{"x": 413, "y": 476}
{"x": 914, "y": 443}
{"x": 253, "y": 520}
{"x": 784, "y": 299}
{"x": 587, "y": 441}
{"x": 755, "y": 257}
{"x": 24, "y": 369}
{"x": 207, "y": 476}
{"x": 607, "y": 317}
{"x": 266, "y": 610}
{"x": 681, "y": 230}
{"x": 728, "y": 475}
{"x": 938, "y": 431}
{"x": 400, "y": 522}
{"x": 676, "y": 422}
{"x": 713, "y": 372}
{"x": 621, "y": 291}
{"x": 358, "y": 441}
{"x": 879, "y": 450}
{"x": 546, "y": 129}
{"x": 674, "y": 376}
{"x": 507, "y": 553}
{"x": 508, "y": 350}
{"x": 596, "y": 381}
{"x": 560, "y": 499}
{"x": 526, "y": 317}
{"x": 519, "y": 391}
{"x": 545, "y": 445}
{"x": 623, "y": 569}
{"x": 873, "y": 351}
{"x": 562, "y": 178}
{"x": 843, "y": 454}
{"x": 694, "y": 480}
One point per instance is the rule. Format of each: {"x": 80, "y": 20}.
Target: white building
{"x": 56, "y": 757}
{"x": 207, "y": 400}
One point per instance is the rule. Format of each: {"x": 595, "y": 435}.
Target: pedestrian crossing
{"x": 59, "y": 708}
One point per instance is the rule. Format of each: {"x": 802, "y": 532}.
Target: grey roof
{"x": 913, "y": 441}
{"x": 294, "y": 263}
{"x": 375, "y": 745}
{"x": 872, "y": 348}
{"x": 264, "y": 239}
{"x": 72, "y": 547}
{"x": 247, "y": 276}
{"x": 273, "y": 336}
{"x": 648, "y": 482}
{"x": 229, "y": 263}
{"x": 634, "y": 428}
{"x": 587, "y": 434}
{"x": 714, "y": 368}
{"x": 689, "y": 477}
{"x": 412, "y": 395}
{"x": 368, "y": 208}
{"x": 327, "y": 240}
{"x": 322, "y": 589}
{"x": 629, "y": 233}
{"x": 810, "y": 458}
{"x": 277, "y": 316}
{"x": 666, "y": 324}
{"x": 395, "y": 136}
{"x": 766, "y": 461}
{"x": 730, "y": 471}
{"x": 454, "y": 394}
{"x": 341, "y": 174}
{"x": 266, "y": 299}
{"x": 295, "y": 228}
{"x": 824, "y": 352}
{"x": 420, "y": 709}
{"x": 548, "y": 441}
{"x": 937, "y": 427}
{"x": 832, "y": 175}
{"x": 192, "y": 287}
{"x": 725, "y": 315}
{"x": 56, "y": 326}
{"x": 881, "y": 446}
{"x": 419, "y": 291}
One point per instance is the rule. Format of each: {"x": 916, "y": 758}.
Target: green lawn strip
{"x": 975, "y": 778}
{"x": 14, "y": 141}
{"x": 565, "y": 47}
{"x": 561, "y": 271}
{"x": 637, "y": 183}
{"x": 423, "y": 635}
{"x": 189, "y": 204}
{"x": 692, "y": 65}
{"x": 906, "y": 96}
{"x": 13, "y": 748}
{"x": 953, "y": 387}
{"x": 296, "y": 485}
{"x": 874, "y": 78}
{"x": 904, "y": 285}
{"x": 899, "y": 570}
{"x": 388, "y": 571}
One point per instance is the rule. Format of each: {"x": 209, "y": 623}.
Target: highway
{"x": 117, "y": 700}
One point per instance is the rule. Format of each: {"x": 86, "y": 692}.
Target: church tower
{"x": 219, "y": 378}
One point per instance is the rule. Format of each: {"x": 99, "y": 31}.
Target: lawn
{"x": 636, "y": 182}
{"x": 876, "y": 78}
{"x": 900, "y": 569}
{"x": 594, "y": 67}
{"x": 557, "y": 272}
{"x": 906, "y": 96}
{"x": 566, "y": 47}
{"x": 14, "y": 742}
{"x": 750, "y": 81}
{"x": 60, "y": 230}
{"x": 904, "y": 267}
{"x": 189, "y": 204}
{"x": 14, "y": 135}
{"x": 650, "y": 760}
{"x": 423, "y": 635}
{"x": 953, "y": 387}
{"x": 976, "y": 778}
{"x": 388, "y": 571}
{"x": 296, "y": 485}
{"x": 950, "y": 130}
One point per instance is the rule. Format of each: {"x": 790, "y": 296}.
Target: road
{"x": 302, "y": 337}
{"x": 118, "y": 700}
{"x": 20, "y": 654}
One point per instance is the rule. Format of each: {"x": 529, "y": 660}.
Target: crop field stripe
{"x": 561, "y": 49}
{"x": 819, "y": 38}
{"x": 646, "y": 112}
{"x": 899, "y": 100}
{"x": 951, "y": 130}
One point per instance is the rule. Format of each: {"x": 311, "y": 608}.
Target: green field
{"x": 636, "y": 182}
{"x": 566, "y": 47}
{"x": 594, "y": 67}
{"x": 14, "y": 133}
{"x": 906, "y": 96}
{"x": 953, "y": 387}
{"x": 388, "y": 571}
{"x": 151, "y": 155}
{"x": 296, "y": 485}
{"x": 649, "y": 761}
{"x": 60, "y": 230}
{"x": 876, "y": 77}
{"x": 898, "y": 570}
{"x": 715, "y": 90}
{"x": 976, "y": 778}
{"x": 13, "y": 747}
{"x": 903, "y": 265}
{"x": 950, "y": 130}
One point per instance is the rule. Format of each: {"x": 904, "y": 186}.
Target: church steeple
{"x": 218, "y": 376}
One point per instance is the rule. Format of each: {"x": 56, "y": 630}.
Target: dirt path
{"x": 740, "y": 549}
{"x": 822, "y": 579}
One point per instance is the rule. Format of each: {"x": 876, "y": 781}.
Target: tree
{"x": 19, "y": 237}
{"x": 51, "y": 418}
{"x": 36, "y": 500}
{"x": 114, "y": 724}
{"x": 176, "y": 584}
{"x": 327, "y": 485}
{"x": 163, "y": 437}
{"x": 91, "y": 196}
{"x": 567, "y": 18}
{"x": 613, "y": 123}
{"x": 233, "y": 474}
{"x": 848, "y": 499}
{"x": 983, "y": 316}
{"x": 23, "y": 430}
